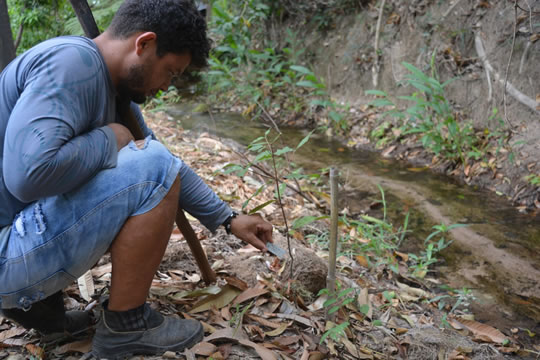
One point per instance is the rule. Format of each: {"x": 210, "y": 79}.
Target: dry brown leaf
{"x": 102, "y": 270}
{"x": 239, "y": 336}
{"x": 36, "y": 351}
{"x": 224, "y": 298}
{"x": 297, "y": 318}
{"x": 483, "y": 332}
{"x": 249, "y": 294}
{"x": 319, "y": 303}
{"x": 362, "y": 261}
{"x": 364, "y": 299}
{"x": 8, "y": 334}
{"x": 14, "y": 342}
{"x": 204, "y": 349}
{"x": 534, "y": 38}
{"x": 287, "y": 340}
{"x": 82, "y": 346}
{"x": 236, "y": 282}
{"x": 265, "y": 322}
{"x": 316, "y": 355}
{"x": 279, "y": 330}
{"x": 388, "y": 151}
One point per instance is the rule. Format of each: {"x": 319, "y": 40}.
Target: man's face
{"x": 151, "y": 74}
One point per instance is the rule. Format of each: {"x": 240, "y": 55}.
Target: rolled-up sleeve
{"x": 200, "y": 201}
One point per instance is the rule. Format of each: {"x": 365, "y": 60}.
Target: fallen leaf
{"x": 319, "y": 303}
{"x": 204, "y": 349}
{"x": 362, "y": 261}
{"x": 36, "y": 351}
{"x": 365, "y": 303}
{"x": 226, "y": 295}
{"x": 287, "y": 340}
{"x": 8, "y": 334}
{"x": 211, "y": 290}
{"x": 278, "y": 331}
{"x": 388, "y": 151}
{"x": 483, "y": 331}
{"x": 297, "y": 318}
{"x": 236, "y": 282}
{"x": 82, "y": 346}
{"x": 265, "y": 322}
{"x": 417, "y": 169}
{"x": 403, "y": 256}
{"x": 102, "y": 270}
{"x": 249, "y": 294}
{"x": 239, "y": 336}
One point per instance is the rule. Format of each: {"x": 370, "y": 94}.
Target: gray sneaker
{"x": 160, "y": 334}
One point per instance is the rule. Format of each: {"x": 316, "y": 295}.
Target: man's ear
{"x": 144, "y": 41}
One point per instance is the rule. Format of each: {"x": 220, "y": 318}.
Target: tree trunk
{"x": 7, "y": 50}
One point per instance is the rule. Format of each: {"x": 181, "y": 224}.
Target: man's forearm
{"x": 200, "y": 201}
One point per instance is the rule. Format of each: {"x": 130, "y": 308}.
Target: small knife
{"x": 276, "y": 250}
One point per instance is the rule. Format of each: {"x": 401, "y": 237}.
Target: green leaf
{"x": 304, "y": 140}
{"x": 364, "y": 309}
{"x": 301, "y": 69}
{"x": 303, "y": 221}
{"x": 376, "y": 93}
{"x": 345, "y": 292}
{"x": 262, "y": 206}
{"x": 305, "y": 83}
{"x": 284, "y": 150}
{"x": 381, "y": 102}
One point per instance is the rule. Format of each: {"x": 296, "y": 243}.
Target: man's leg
{"x": 55, "y": 240}
{"x": 137, "y": 251}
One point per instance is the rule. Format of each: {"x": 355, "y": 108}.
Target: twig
{"x": 276, "y": 179}
{"x": 508, "y": 65}
{"x": 376, "y": 65}
{"x": 529, "y": 42}
{"x": 331, "y": 278}
{"x": 267, "y": 174}
{"x": 269, "y": 117}
{"x": 452, "y": 7}
{"x": 482, "y": 55}
{"x": 518, "y": 95}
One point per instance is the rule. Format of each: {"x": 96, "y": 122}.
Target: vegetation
{"x": 248, "y": 69}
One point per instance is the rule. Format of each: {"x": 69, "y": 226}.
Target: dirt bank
{"x": 343, "y": 55}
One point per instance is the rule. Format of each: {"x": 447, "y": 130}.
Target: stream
{"x": 497, "y": 254}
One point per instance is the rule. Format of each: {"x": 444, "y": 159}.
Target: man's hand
{"x": 253, "y": 230}
{"x": 123, "y": 135}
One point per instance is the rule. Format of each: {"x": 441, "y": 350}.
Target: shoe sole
{"x": 132, "y": 349}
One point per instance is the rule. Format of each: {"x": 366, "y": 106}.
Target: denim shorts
{"x": 55, "y": 240}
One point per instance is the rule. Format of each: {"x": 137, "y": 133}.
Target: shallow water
{"x": 497, "y": 254}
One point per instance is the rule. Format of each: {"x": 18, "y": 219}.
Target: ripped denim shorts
{"x": 55, "y": 240}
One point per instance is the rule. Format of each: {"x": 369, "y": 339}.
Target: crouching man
{"x": 74, "y": 184}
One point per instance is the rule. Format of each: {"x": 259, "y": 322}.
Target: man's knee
{"x": 153, "y": 162}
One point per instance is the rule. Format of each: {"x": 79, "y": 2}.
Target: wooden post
{"x": 331, "y": 278}
{"x": 84, "y": 14}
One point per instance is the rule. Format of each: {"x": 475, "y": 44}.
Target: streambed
{"x": 497, "y": 254}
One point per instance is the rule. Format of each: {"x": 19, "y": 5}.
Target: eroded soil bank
{"x": 438, "y": 37}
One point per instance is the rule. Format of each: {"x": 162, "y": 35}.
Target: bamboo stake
{"x": 331, "y": 277}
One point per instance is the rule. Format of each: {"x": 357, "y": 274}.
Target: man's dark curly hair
{"x": 179, "y": 26}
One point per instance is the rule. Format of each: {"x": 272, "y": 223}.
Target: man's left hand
{"x": 252, "y": 229}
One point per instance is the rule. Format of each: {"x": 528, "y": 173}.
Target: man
{"x": 75, "y": 184}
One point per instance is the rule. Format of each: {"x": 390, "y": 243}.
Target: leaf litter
{"x": 260, "y": 313}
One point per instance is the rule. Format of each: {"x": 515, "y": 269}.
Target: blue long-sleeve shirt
{"x": 56, "y": 101}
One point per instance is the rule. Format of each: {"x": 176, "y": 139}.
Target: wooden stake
{"x": 331, "y": 278}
